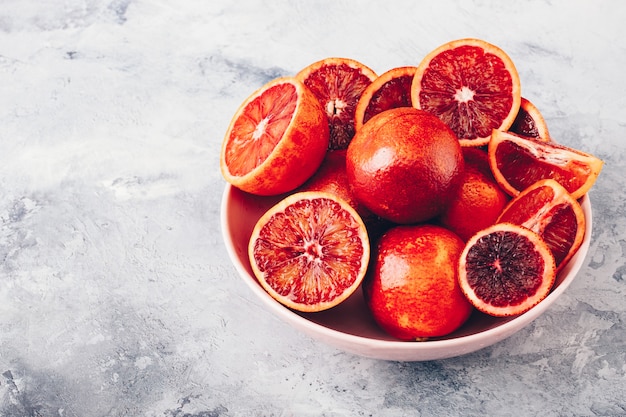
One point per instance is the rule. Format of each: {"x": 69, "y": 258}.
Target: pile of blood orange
{"x": 437, "y": 188}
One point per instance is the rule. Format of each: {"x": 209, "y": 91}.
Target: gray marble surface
{"x": 117, "y": 297}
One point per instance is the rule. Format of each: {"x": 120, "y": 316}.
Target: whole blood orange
{"x": 389, "y": 90}
{"x": 338, "y": 84}
{"x": 549, "y": 210}
{"x": 478, "y": 159}
{"x": 331, "y": 177}
{"x": 477, "y": 204}
{"x": 412, "y": 288}
{"x": 276, "y": 140}
{"x": 310, "y": 251}
{"x": 506, "y": 269}
{"x": 530, "y": 122}
{"x": 517, "y": 162}
{"x": 404, "y": 165}
{"x": 472, "y": 85}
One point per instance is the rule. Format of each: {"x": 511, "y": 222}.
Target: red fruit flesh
{"x": 393, "y": 94}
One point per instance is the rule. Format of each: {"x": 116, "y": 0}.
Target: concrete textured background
{"x": 117, "y": 297}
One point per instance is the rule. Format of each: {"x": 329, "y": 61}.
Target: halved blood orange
{"x": 338, "y": 84}
{"x": 506, "y": 269}
{"x": 530, "y": 122}
{"x": 549, "y": 210}
{"x": 276, "y": 140}
{"x": 517, "y": 162}
{"x": 389, "y": 90}
{"x": 470, "y": 84}
{"x": 310, "y": 251}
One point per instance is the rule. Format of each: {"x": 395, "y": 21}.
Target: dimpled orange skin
{"x": 412, "y": 288}
{"x": 477, "y": 205}
{"x": 404, "y": 165}
{"x": 331, "y": 177}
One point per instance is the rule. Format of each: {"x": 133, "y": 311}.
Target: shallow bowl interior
{"x": 349, "y": 326}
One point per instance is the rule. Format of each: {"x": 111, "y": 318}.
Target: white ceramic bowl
{"x": 349, "y": 326}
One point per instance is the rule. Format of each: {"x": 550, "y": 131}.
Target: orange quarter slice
{"x": 548, "y": 209}
{"x": 517, "y": 162}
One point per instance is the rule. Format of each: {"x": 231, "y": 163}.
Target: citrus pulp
{"x": 517, "y": 162}
{"x": 549, "y": 210}
{"x": 472, "y": 85}
{"x": 276, "y": 140}
{"x": 310, "y": 251}
{"x": 506, "y": 269}
{"x": 389, "y": 90}
{"x": 338, "y": 84}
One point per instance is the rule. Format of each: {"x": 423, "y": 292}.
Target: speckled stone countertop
{"x": 117, "y": 297}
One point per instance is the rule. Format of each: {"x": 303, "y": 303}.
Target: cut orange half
{"x": 276, "y": 140}
{"x": 389, "y": 90}
{"x": 338, "y": 84}
{"x": 310, "y": 251}
{"x": 549, "y": 210}
{"x": 530, "y": 122}
{"x": 517, "y": 162}
{"x": 470, "y": 84}
{"x": 506, "y": 269}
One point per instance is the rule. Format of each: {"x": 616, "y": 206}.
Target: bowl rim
{"x": 426, "y": 350}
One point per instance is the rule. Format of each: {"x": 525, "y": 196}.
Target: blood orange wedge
{"x": 276, "y": 140}
{"x": 338, "y": 84}
{"x": 470, "y": 84}
{"x": 389, "y": 90}
{"x": 506, "y": 269}
{"x": 310, "y": 251}
{"x": 517, "y": 162}
{"x": 530, "y": 122}
{"x": 549, "y": 210}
